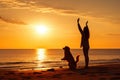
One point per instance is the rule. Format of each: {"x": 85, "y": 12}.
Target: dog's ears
{"x": 66, "y": 47}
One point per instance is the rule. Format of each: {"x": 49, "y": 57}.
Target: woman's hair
{"x": 86, "y": 32}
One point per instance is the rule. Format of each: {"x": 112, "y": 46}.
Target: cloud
{"x": 43, "y": 6}
{"x": 10, "y": 4}
{"x": 12, "y": 20}
{"x": 99, "y": 9}
{"x": 113, "y": 34}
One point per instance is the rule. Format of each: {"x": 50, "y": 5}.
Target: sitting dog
{"x": 68, "y": 56}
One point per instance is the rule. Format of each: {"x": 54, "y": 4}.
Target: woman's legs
{"x": 85, "y": 51}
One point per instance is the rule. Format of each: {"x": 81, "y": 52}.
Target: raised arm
{"x": 87, "y": 30}
{"x": 86, "y": 23}
{"x": 79, "y": 27}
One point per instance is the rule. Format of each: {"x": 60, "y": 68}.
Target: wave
{"x": 9, "y": 63}
{"x": 50, "y": 64}
{"x": 117, "y": 60}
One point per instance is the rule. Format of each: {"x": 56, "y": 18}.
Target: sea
{"x": 43, "y": 59}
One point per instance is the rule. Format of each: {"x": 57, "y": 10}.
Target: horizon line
{"x": 56, "y": 48}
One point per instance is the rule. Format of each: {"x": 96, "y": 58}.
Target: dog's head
{"x": 66, "y": 48}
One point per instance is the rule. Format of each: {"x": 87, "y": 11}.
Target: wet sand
{"x": 94, "y": 72}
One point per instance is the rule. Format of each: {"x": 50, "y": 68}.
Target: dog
{"x": 68, "y": 57}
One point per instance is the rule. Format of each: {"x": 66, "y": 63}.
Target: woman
{"x": 84, "y": 41}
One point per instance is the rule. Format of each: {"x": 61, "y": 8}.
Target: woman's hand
{"x": 78, "y": 20}
{"x": 86, "y": 23}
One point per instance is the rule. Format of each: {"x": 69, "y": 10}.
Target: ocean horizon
{"x": 22, "y": 59}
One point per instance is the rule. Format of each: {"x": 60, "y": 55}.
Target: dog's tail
{"x": 77, "y": 58}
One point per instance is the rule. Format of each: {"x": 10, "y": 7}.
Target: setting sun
{"x": 41, "y": 29}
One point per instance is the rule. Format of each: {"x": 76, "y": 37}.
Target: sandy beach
{"x": 94, "y": 72}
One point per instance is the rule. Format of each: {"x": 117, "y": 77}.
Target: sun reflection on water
{"x": 41, "y": 54}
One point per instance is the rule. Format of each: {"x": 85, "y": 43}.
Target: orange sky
{"x": 18, "y": 19}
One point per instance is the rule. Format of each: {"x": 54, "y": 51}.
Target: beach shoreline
{"x": 94, "y": 72}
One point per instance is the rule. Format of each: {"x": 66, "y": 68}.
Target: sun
{"x": 41, "y": 29}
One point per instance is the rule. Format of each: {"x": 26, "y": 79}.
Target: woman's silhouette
{"x": 84, "y": 41}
